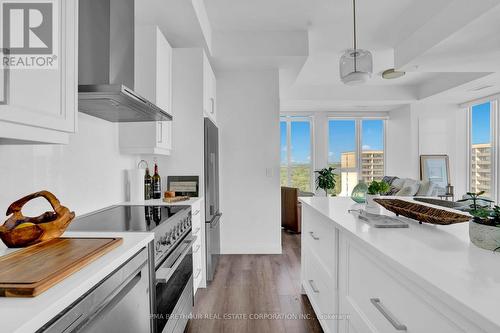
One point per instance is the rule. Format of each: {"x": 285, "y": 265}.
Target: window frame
{"x": 494, "y": 127}
{"x": 288, "y": 119}
{"x": 359, "y": 141}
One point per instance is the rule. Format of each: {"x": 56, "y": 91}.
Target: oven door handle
{"x": 164, "y": 272}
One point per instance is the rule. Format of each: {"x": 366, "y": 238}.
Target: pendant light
{"x": 356, "y": 65}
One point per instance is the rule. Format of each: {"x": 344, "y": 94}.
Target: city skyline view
{"x": 342, "y": 139}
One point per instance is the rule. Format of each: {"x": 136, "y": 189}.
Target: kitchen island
{"x": 425, "y": 278}
{"x": 26, "y": 315}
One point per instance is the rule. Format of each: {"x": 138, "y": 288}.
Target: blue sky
{"x": 481, "y": 123}
{"x": 341, "y": 139}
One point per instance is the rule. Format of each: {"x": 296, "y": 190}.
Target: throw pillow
{"x": 392, "y": 190}
{"x": 410, "y": 188}
{"x": 406, "y": 191}
{"x": 389, "y": 179}
{"x": 398, "y": 183}
{"x": 426, "y": 189}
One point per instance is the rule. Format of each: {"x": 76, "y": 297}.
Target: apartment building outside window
{"x": 356, "y": 150}
{"x": 482, "y": 148}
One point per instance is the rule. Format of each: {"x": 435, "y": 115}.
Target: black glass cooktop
{"x": 125, "y": 218}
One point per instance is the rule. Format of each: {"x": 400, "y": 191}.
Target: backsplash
{"x": 87, "y": 174}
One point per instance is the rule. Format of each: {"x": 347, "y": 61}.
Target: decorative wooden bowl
{"x": 422, "y": 213}
{"x": 45, "y": 227}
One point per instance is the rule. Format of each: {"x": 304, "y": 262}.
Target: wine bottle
{"x": 147, "y": 185}
{"x": 156, "y": 184}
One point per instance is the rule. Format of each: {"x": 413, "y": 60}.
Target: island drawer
{"x": 319, "y": 286}
{"x": 318, "y": 235}
{"x": 379, "y": 300}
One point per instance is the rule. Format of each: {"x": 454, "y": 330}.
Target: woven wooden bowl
{"x": 422, "y": 213}
{"x": 45, "y": 227}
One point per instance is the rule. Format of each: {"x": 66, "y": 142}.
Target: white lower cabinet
{"x": 198, "y": 246}
{"x": 342, "y": 276}
{"x": 379, "y": 299}
{"x": 319, "y": 268}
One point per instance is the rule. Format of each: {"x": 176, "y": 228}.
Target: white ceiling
{"x": 443, "y": 45}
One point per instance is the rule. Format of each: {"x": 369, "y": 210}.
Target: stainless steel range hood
{"x": 106, "y": 64}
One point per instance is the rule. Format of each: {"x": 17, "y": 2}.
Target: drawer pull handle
{"x": 196, "y": 212}
{"x": 312, "y": 235}
{"x": 197, "y": 248}
{"x": 394, "y": 322}
{"x": 313, "y": 286}
{"x": 198, "y": 271}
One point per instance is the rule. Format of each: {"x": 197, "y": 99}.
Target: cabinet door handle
{"x": 197, "y": 249}
{"x": 198, "y": 272}
{"x": 212, "y": 100}
{"x": 313, "y": 286}
{"x": 312, "y": 235}
{"x": 388, "y": 315}
{"x": 196, "y": 231}
{"x": 196, "y": 212}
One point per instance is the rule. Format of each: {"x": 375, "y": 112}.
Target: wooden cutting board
{"x": 33, "y": 270}
{"x": 176, "y": 199}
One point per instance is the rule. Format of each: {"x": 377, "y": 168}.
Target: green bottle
{"x": 147, "y": 185}
{"x": 156, "y": 184}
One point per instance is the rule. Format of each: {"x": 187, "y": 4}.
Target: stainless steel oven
{"x": 172, "y": 268}
{"x": 174, "y": 289}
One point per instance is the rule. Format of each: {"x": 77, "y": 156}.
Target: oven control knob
{"x": 163, "y": 240}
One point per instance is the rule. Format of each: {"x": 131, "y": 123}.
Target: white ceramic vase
{"x": 484, "y": 236}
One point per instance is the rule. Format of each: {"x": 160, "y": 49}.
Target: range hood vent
{"x": 106, "y": 64}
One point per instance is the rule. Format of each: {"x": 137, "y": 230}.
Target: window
{"x": 342, "y": 154}
{"x": 372, "y": 150}
{"x": 296, "y": 153}
{"x": 481, "y": 148}
{"x": 356, "y": 150}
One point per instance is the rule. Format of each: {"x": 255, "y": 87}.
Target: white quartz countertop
{"x": 160, "y": 202}
{"x": 441, "y": 259}
{"x": 23, "y": 315}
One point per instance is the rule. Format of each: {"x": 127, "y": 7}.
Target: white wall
{"x": 87, "y": 174}
{"x": 400, "y": 144}
{"x": 248, "y": 119}
{"x": 425, "y": 129}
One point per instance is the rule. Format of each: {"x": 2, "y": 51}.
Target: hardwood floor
{"x": 256, "y": 293}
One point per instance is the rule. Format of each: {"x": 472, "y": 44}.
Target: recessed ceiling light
{"x": 391, "y": 73}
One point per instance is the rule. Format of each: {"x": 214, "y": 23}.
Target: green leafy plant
{"x": 483, "y": 214}
{"x": 376, "y": 187}
{"x": 325, "y": 179}
{"x": 475, "y": 197}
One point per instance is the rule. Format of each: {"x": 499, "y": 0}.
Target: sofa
{"x": 408, "y": 187}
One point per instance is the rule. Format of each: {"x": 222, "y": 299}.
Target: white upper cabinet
{"x": 209, "y": 91}
{"x": 153, "y": 80}
{"x": 38, "y": 104}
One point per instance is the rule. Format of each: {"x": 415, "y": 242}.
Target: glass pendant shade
{"x": 356, "y": 66}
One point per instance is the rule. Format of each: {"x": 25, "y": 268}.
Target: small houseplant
{"x": 484, "y": 228}
{"x": 325, "y": 179}
{"x": 375, "y": 189}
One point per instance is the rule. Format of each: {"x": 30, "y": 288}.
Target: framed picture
{"x": 435, "y": 168}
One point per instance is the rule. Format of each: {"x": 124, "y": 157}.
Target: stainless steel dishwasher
{"x": 120, "y": 303}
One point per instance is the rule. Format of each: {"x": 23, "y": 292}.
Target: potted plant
{"x": 375, "y": 189}
{"x": 484, "y": 228}
{"x": 325, "y": 179}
